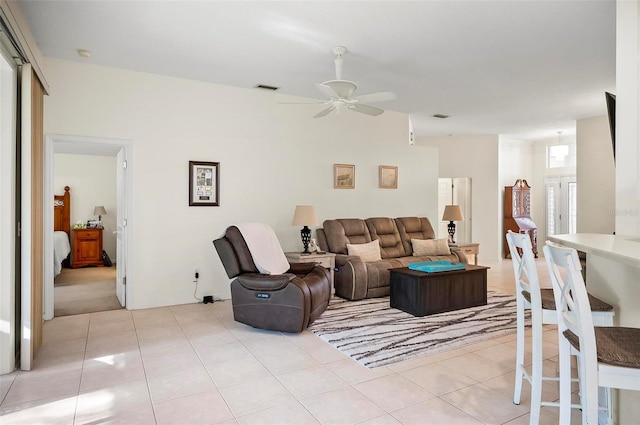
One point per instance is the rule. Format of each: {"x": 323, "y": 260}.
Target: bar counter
{"x": 613, "y": 275}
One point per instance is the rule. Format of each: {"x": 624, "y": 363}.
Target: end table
{"x": 469, "y": 248}
{"x": 326, "y": 260}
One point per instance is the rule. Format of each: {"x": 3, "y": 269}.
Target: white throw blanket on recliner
{"x": 264, "y": 247}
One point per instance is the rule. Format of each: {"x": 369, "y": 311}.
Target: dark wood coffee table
{"x": 422, "y": 294}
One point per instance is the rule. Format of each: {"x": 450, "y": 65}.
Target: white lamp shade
{"x": 305, "y": 215}
{"x": 452, "y": 213}
{"x": 99, "y": 210}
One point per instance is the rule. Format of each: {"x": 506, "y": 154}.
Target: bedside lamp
{"x": 305, "y": 215}
{"x": 452, "y": 213}
{"x": 99, "y": 211}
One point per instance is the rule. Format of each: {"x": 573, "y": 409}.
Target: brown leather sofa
{"x": 286, "y": 302}
{"x": 356, "y": 279}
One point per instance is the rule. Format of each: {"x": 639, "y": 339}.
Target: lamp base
{"x": 305, "y": 234}
{"x": 451, "y": 229}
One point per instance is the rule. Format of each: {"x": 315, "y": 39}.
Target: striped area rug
{"x": 375, "y": 334}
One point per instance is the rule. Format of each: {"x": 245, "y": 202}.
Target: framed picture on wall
{"x": 388, "y": 177}
{"x": 204, "y": 184}
{"x": 344, "y": 176}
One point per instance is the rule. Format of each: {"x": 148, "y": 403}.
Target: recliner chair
{"x": 286, "y": 302}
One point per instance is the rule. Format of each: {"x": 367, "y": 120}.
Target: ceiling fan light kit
{"x": 340, "y": 92}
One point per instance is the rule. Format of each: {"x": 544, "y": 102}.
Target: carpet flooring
{"x": 374, "y": 334}
{"x": 85, "y": 290}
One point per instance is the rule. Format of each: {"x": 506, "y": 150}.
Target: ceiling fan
{"x": 340, "y": 92}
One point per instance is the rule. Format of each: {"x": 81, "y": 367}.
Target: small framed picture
{"x": 204, "y": 184}
{"x": 344, "y": 176}
{"x": 388, "y": 177}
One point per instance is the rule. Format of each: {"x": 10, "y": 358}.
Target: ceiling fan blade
{"x": 337, "y": 88}
{"x": 377, "y": 97}
{"x": 366, "y": 109}
{"x": 324, "y": 112}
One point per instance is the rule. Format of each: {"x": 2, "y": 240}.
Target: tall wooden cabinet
{"x": 87, "y": 248}
{"x": 517, "y": 214}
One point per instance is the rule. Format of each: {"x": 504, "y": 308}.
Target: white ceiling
{"x": 523, "y": 69}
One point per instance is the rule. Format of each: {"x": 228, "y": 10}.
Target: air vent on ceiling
{"x": 266, "y": 87}
{"x": 441, "y": 116}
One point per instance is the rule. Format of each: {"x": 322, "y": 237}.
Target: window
{"x": 561, "y": 156}
{"x": 551, "y": 209}
{"x": 571, "y": 208}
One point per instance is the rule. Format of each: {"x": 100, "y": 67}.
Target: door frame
{"x": 54, "y": 143}
{"x": 9, "y": 338}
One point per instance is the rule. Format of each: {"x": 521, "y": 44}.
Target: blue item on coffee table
{"x": 436, "y": 266}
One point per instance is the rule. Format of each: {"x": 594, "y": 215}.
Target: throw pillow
{"x": 366, "y": 251}
{"x": 430, "y": 247}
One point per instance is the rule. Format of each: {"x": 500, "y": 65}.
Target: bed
{"x": 61, "y": 230}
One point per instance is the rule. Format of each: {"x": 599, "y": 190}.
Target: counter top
{"x": 619, "y": 248}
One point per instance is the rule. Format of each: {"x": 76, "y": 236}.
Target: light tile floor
{"x": 192, "y": 364}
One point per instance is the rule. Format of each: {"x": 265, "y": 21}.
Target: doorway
{"x": 115, "y": 225}
{"x": 560, "y": 204}
{"x": 82, "y": 290}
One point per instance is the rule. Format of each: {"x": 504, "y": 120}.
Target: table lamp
{"x": 305, "y": 215}
{"x": 452, "y": 213}
{"x": 99, "y": 211}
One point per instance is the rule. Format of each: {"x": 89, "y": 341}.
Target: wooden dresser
{"x": 87, "y": 248}
{"x": 517, "y": 214}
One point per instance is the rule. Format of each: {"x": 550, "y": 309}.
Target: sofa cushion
{"x": 413, "y": 228}
{"x": 430, "y": 247}
{"x": 385, "y": 230}
{"x": 340, "y": 232}
{"x": 366, "y": 251}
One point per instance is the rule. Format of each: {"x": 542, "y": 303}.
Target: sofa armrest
{"x": 342, "y": 259}
{"x": 350, "y": 278}
{"x": 301, "y": 268}
{"x": 462, "y": 257}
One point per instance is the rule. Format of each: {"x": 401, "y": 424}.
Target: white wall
{"x": 92, "y": 182}
{"x": 475, "y": 156}
{"x": 516, "y": 162}
{"x": 596, "y": 176}
{"x": 272, "y": 157}
{"x": 627, "y": 172}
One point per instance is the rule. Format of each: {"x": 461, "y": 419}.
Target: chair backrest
{"x": 524, "y": 267}
{"x": 414, "y": 228}
{"x": 386, "y": 231}
{"x": 342, "y": 231}
{"x": 234, "y": 253}
{"x": 572, "y": 302}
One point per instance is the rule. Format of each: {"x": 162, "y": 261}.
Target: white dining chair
{"x": 607, "y": 356}
{"x": 530, "y": 296}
